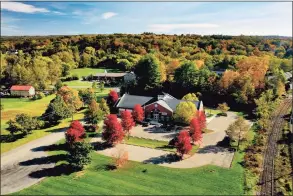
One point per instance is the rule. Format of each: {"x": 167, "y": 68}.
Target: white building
{"x": 23, "y": 91}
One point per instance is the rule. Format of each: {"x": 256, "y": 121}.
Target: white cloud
{"x": 108, "y": 15}
{"x": 21, "y": 7}
{"x": 170, "y": 27}
{"x": 58, "y": 13}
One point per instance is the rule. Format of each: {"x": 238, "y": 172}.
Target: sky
{"x": 204, "y": 18}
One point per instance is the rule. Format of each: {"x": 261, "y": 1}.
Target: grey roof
{"x": 129, "y": 101}
{"x": 288, "y": 75}
{"x": 168, "y": 101}
{"x": 110, "y": 74}
{"x": 172, "y": 103}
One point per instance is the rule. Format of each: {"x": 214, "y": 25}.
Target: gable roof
{"x": 129, "y": 101}
{"x": 20, "y": 88}
{"x": 172, "y": 103}
{"x": 110, "y": 74}
{"x": 167, "y": 101}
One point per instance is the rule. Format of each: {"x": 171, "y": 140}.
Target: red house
{"x": 160, "y": 108}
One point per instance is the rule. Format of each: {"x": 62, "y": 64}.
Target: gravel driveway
{"x": 16, "y": 165}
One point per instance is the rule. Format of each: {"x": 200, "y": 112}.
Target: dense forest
{"x": 174, "y": 63}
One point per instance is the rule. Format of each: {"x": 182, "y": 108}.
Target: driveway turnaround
{"x": 19, "y": 163}
{"x": 207, "y": 155}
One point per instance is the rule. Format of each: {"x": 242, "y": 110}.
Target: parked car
{"x": 156, "y": 123}
{"x": 144, "y": 123}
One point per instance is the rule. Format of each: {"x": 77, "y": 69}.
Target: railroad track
{"x": 267, "y": 176}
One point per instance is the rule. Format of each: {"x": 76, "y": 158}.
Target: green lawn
{"x": 149, "y": 143}
{"x": 35, "y": 108}
{"x": 87, "y": 71}
{"x": 154, "y": 144}
{"x": 14, "y": 106}
{"x": 37, "y": 133}
{"x": 78, "y": 84}
{"x": 142, "y": 179}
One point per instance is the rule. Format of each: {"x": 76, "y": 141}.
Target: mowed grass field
{"x": 14, "y": 106}
{"x": 142, "y": 179}
{"x": 87, "y": 71}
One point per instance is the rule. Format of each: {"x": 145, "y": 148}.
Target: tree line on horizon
{"x": 161, "y": 62}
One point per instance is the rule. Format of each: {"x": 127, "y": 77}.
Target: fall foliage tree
{"x": 120, "y": 158}
{"x": 238, "y": 130}
{"x": 112, "y": 131}
{"x": 138, "y": 113}
{"x": 202, "y": 120}
{"x": 184, "y": 112}
{"x": 127, "y": 121}
{"x": 75, "y": 133}
{"x": 256, "y": 67}
{"x": 113, "y": 97}
{"x": 70, "y": 97}
{"x": 94, "y": 113}
{"x": 195, "y": 130}
{"x": 183, "y": 144}
{"x": 104, "y": 107}
{"x": 228, "y": 79}
{"x": 190, "y": 97}
{"x": 223, "y": 107}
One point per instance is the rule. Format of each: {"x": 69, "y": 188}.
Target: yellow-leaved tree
{"x": 184, "y": 112}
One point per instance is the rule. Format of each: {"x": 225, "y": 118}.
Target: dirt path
{"x": 16, "y": 165}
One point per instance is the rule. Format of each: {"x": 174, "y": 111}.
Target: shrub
{"x": 120, "y": 158}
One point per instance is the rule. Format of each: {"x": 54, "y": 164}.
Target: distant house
{"x": 160, "y": 108}
{"x": 23, "y": 91}
{"x": 119, "y": 77}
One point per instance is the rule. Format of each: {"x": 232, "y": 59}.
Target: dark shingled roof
{"x": 172, "y": 103}
{"x": 129, "y": 101}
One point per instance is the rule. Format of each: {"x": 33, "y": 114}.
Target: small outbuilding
{"x": 22, "y": 90}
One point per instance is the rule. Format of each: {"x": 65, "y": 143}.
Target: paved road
{"x": 15, "y": 168}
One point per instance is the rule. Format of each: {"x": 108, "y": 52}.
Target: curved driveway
{"x": 17, "y": 164}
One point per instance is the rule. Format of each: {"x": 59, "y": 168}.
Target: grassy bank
{"x": 144, "y": 179}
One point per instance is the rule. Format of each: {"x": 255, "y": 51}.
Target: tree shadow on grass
{"x": 100, "y": 145}
{"x": 63, "y": 169}
{"x": 44, "y": 160}
{"x": 169, "y": 158}
{"x": 9, "y": 138}
{"x": 57, "y": 130}
{"x": 53, "y": 147}
{"x": 106, "y": 167}
{"x": 169, "y": 147}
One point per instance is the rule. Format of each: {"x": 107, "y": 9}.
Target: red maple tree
{"x": 113, "y": 97}
{"x": 113, "y": 132}
{"x": 127, "y": 121}
{"x": 75, "y": 132}
{"x": 77, "y": 125}
{"x": 183, "y": 145}
{"x": 138, "y": 113}
{"x": 202, "y": 120}
{"x": 195, "y": 130}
